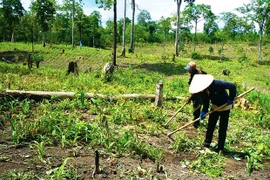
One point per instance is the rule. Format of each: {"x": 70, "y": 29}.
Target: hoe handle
{"x": 176, "y": 113}
{"x": 220, "y": 107}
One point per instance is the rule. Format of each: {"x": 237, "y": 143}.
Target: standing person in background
{"x": 218, "y": 96}
{"x": 195, "y": 98}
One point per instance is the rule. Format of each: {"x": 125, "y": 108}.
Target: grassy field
{"x": 58, "y": 138}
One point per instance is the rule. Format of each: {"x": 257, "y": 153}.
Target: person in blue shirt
{"x": 218, "y": 95}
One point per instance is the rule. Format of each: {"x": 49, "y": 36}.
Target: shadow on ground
{"x": 212, "y": 57}
{"x": 167, "y": 69}
{"x": 13, "y": 56}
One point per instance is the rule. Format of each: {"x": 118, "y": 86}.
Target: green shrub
{"x": 211, "y": 49}
{"x": 196, "y": 55}
{"x": 243, "y": 58}
{"x": 38, "y": 58}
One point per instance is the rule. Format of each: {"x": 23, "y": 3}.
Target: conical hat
{"x": 200, "y": 82}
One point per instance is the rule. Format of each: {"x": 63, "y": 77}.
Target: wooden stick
{"x": 97, "y": 169}
{"x": 176, "y": 113}
{"x": 217, "y": 109}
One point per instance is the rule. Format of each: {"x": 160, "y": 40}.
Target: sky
{"x": 156, "y": 8}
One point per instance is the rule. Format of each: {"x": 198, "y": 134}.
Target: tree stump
{"x": 108, "y": 68}
{"x": 29, "y": 61}
{"x": 37, "y": 64}
{"x": 159, "y": 94}
{"x": 73, "y": 67}
{"x": 173, "y": 58}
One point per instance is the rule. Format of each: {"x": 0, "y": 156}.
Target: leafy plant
{"x": 209, "y": 163}
{"x": 18, "y": 175}
{"x": 39, "y": 149}
{"x": 254, "y": 159}
{"x": 65, "y": 171}
{"x": 183, "y": 143}
{"x": 81, "y": 95}
{"x": 37, "y": 58}
{"x": 196, "y": 55}
{"x": 243, "y": 58}
{"x": 211, "y": 49}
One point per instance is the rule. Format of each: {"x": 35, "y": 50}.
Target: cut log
{"x": 39, "y": 95}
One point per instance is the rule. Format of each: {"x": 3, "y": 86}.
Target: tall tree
{"x": 196, "y": 13}
{"x": 69, "y": 20}
{"x": 45, "y": 10}
{"x": 95, "y": 22}
{"x": 78, "y": 17}
{"x": 79, "y": 23}
{"x": 210, "y": 27}
{"x": 12, "y": 12}
{"x": 178, "y": 3}
{"x": 258, "y": 11}
{"x": 165, "y": 26}
{"x": 143, "y": 18}
{"x": 123, "y": 54}
{"x": 73, "y": 15}
{"x": 132, "y": 27}
{"x": 107, "y": 4}
{"x": 235, "y": 26}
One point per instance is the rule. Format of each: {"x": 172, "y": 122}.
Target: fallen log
{"x": 39, "y": 95}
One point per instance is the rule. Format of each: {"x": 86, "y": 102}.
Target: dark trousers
{"x": 223, "y": 117}
{"x": 196, "y": 115}
{"x": 196, "y": 101}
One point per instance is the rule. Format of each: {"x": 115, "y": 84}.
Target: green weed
{"x": 254, "y": 159}
{"x": 209, "y": 163}
{"x": 19, "y": 175}
{"x": 65, "y": 171}
{"x": 39, "y": 149}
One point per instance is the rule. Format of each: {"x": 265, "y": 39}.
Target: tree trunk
{"x": 179, "y": 2}
{"x": 29, "y": 61}
{"x": 132, "y": 27}
{"x": 260, "y": 46}
{"x": 51, "y": 33}
{"x": 93, "y": 40}
{"x": 32, "y": 36}
{"x": 114, "y": 31}
{"x": 73, "y": 12}
{"x": 12, "y": 36}
{"x": 124, "y": 30}
{"x": 44, "y": 39}
{"x": 80, "y": 33}
{"x": 195, "y": 35}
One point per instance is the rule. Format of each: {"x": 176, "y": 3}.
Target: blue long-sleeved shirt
{"x": 218, "y": 94}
